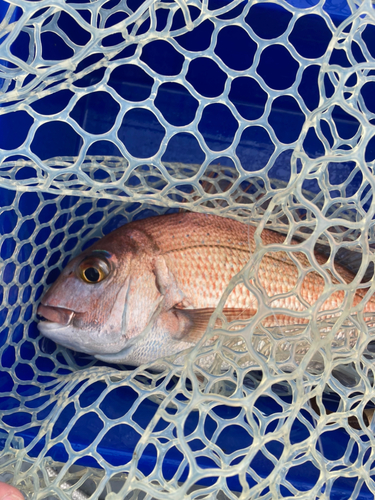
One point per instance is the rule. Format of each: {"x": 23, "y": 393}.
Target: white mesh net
{"x": 118, "y": 110}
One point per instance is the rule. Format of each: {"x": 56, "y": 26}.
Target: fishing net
{"x": 118, "y": 110}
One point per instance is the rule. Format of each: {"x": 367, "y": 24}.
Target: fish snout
{"x": 56, "y": 314}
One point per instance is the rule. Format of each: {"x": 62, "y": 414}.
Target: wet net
{"x": 117, "y": 110}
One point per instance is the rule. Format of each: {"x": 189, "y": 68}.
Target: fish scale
{"x": 200, "y": 259}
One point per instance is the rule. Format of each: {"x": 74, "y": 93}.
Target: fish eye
{"x": 91, "y": 274}
{"x": 93, "y": 270}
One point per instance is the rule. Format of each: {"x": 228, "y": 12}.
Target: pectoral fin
{"x": 189, "y": 325}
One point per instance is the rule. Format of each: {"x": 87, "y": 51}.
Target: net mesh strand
{"x": 250, "y": 412}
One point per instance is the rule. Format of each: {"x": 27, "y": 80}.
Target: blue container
{"x": 141, "y": 135}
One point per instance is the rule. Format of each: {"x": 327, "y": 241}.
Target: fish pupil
{"x": 92, "y": 274}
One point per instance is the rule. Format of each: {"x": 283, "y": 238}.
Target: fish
{"x": 148, "y": 289}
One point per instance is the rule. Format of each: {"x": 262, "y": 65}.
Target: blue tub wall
{"x": 61, "y": 225}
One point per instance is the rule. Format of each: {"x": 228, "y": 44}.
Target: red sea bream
{"x": 149, "y": 288}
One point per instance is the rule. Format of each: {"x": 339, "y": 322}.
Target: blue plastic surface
{"x": 218, "y": 130}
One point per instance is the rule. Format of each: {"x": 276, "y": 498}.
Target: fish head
{"x": 86, "y": 308}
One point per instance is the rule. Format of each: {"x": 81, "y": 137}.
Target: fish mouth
{"x": 57, "y": 316}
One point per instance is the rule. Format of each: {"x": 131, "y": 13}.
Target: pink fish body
{"x": 148, "y": 289}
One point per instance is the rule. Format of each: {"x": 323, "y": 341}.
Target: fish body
{"x": 149, "y": 288}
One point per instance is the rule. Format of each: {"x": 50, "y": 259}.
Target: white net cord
{"x": 113, "y": 111}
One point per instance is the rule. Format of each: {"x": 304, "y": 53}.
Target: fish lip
{"x": 50, "y": 326}
{"x": 59, "y": 316}
{"x": 62, "y": 335}
{"x": 66, "y": 336}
